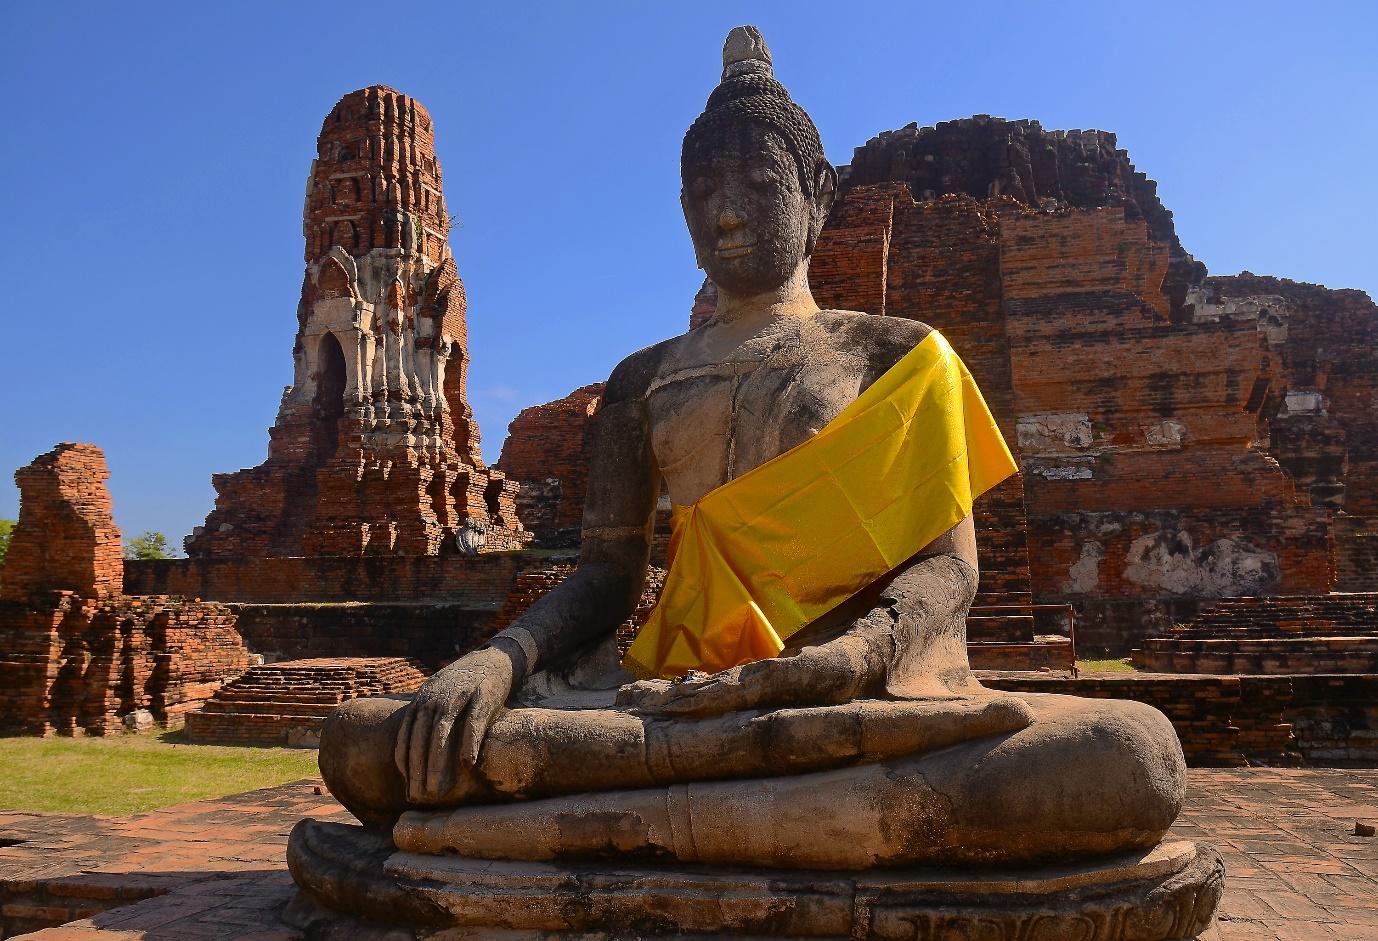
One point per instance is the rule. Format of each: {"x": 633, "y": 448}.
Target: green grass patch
{"x": 1104, "y": 666}
{"x": 130, "y": 774}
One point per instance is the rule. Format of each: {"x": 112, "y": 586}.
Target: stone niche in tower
{"x": 375, "y": 448}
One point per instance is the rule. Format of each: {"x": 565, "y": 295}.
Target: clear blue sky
{"x": 155, "y": 154}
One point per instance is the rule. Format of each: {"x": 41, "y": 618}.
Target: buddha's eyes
{"x": 764, "y": 176}
{"x": 701, "y": 187}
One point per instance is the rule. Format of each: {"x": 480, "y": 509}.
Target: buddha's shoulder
{"x": 634, "y": 375}
{"x": 874, "y": 336}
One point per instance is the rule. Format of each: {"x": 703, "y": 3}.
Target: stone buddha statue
{"x": 864, "y": 743}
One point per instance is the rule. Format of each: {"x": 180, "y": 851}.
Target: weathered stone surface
{"x": 866, "y": 744}
{"x": 375, "y": 449}
{"x": 1166, "y": 894}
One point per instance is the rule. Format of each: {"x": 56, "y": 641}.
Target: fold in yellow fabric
{"x": 764, "y": 555}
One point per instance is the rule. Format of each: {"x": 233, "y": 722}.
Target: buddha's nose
{"x": 728, "y": 219}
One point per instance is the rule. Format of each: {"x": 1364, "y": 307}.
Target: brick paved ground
{"x": 213, "y": 870}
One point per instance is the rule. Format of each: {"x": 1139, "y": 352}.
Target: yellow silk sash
{"x": 764, "y": 555}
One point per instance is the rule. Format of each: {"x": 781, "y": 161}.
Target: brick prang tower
{"x": 375, "y": 448}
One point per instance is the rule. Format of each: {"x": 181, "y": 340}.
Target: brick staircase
{"x": 1002, "y": 634}
{"x": 1336, "y": 633}
{"x": 285, "y": 703}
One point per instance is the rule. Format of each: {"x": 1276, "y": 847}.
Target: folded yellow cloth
{"x": 764, "y": 555}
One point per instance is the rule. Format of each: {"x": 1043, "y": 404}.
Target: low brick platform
{"x": 1335, "y": 633}
{"x": 1239, "y": 720}
{"x": 214, "y": 870}
{"x": 285, "y": 703}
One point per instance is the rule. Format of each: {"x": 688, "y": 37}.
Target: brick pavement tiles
{"x": 214, "y": 871}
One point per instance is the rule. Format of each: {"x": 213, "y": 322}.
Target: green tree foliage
{"x": 146, "y": 546}
{"x": 6, "y": 531}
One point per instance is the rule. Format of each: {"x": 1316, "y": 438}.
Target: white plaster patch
{"x": 1269, "y": 311}
{"x": 1054, "y": 432}
{"x": 1167, "y": 434}
{"x": 1303, "y": 402}
{"x": 1083, "y": 575}
{"x": 1075, "y": 472}
{"x": 1167, "y": 561}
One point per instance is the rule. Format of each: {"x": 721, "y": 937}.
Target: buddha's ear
{"x": 824, "y": 192}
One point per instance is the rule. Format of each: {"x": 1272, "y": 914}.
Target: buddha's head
{"x": 757, "y": 188}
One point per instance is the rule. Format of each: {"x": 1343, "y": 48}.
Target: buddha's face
{"x": 751, "y": 223}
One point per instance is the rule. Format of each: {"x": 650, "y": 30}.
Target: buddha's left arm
{"x": 899, "y": 627}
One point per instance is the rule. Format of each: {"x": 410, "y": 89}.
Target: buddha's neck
{"x": 750, "y": 313}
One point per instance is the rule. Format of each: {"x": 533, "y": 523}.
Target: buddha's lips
{"x": 735, "y": 251}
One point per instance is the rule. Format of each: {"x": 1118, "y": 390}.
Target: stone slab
{"x": 1168, "y": 893}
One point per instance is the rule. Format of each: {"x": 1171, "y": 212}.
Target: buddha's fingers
{"x": 402, "y": 748}
{"x": 423, "y": 728}
{"x": 440, "y": 754}
{"x": 482, "y": 708}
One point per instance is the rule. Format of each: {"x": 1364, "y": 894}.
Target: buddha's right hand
{"x": 451, "y": 712}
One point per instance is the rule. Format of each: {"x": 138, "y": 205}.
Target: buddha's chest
{"x": 710, "y": 424}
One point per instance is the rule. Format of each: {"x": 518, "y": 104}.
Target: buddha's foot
{"x": 353, "y": 887}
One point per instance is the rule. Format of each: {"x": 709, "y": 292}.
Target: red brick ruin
{"x": 547, "y": 449}
{"x": 1199, "y": 455}
{"x": 375, "y": 448}
{"x": 76, "y": 654}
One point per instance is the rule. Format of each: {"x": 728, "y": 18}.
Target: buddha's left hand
{"x": 815, "y": 676}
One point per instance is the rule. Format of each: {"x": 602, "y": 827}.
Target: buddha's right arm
{"x": 619, "y": 516}
{"x": 452, "y": 711}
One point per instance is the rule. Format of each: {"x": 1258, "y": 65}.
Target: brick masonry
{"x": 375, "y": 449}
{"x": 1294, "y": 634}
{"x": 547, "y": 451}
{"x": 65, "y": 539}
{"x": 1238, "y": 720}
{"x": 76, "y": 654}
{"x": 286, "y": 703}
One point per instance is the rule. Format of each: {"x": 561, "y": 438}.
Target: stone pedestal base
{"x": 356, "y": 886}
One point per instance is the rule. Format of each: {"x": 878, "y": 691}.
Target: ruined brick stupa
{"x": 375, "y": 448}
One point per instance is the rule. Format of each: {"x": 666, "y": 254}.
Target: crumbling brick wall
{"x": 547, "y": 453}
{"x": 76, "y": 654}
{"x": 66, "y": 538}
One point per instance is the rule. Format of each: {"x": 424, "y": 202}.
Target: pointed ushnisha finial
{"x": 745, "y": 51}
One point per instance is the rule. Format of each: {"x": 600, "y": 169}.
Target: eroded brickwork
{"x": 986, "y": 157}
{"x": 286, "y": 703}
{"x": 547, "y": 452}
{"x": 1323, "y": 425}
{"x": 75, "y": 653}
{"x": 1275, "y": 635}
{"x": 1241, "y": 720}
{"x": 375, "y": 448}
{"x": 66, "y": 539}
